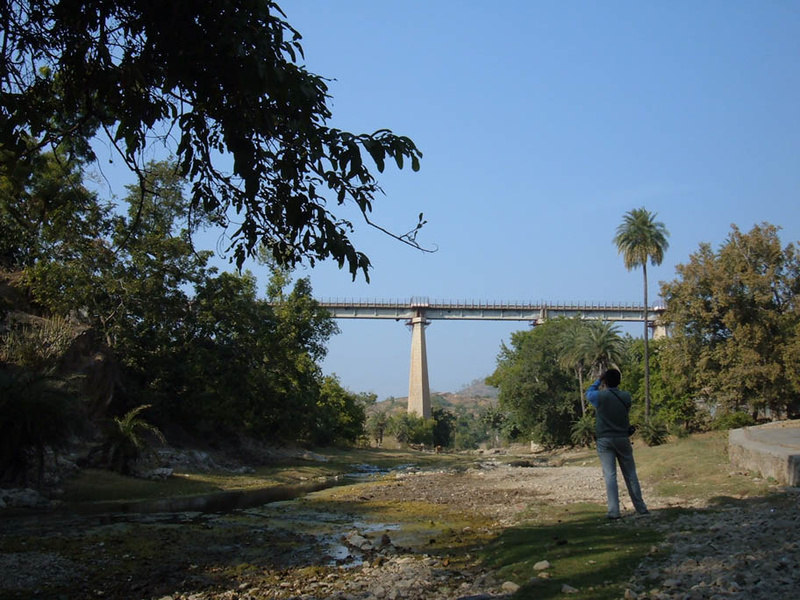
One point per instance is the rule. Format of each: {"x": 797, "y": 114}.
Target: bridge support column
{"x": 419, "y": 391}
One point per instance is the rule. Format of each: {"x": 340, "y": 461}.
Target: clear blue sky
{"x": 542, "y": 124}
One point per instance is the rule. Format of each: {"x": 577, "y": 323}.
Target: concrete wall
{"x": 772, "y": 450}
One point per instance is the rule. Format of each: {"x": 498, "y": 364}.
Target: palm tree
{"x": 602, "y": 346}
{"x": 573, "y": 354}
{"x": 641, "y": 238}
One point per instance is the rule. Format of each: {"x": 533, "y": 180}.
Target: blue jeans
{"x": 610, "y": 451}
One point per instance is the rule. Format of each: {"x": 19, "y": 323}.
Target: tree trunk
{"x": 646, "y": 351}
{"x": 580, "y": 389}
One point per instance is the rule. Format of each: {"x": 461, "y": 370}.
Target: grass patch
{"x": 584, "y": 549}
{"x": 697, "y": 468}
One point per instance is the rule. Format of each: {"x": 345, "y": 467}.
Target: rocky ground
{"x": 743, "y": 552}
{"x": 331, "y": 547}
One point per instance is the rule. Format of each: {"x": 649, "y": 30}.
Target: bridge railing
{"x": 422, "y": 301}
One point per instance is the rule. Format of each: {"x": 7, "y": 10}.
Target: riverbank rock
{"x": 156, "y": 474}
{"x": 23, "y": 498}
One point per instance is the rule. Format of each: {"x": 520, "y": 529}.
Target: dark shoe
{"x": 612, "y": 517}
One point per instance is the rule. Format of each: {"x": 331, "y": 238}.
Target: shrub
{"x": 679, "y": 430}
{"x": 125, "y": 441}
{"x": 411, "y": 429}
{"x": 582, "y": 431}
{"x": 733, "y": 420}
{"x": 653, "y": 433}
{"x": 37, "y": 345}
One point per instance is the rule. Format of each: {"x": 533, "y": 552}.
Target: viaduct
{"x": 418, "y": 312}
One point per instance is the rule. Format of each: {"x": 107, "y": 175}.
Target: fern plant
{"x": 127, "y": 440}
{"x": 582, "y": 431}
{"x": 39, "y": 411}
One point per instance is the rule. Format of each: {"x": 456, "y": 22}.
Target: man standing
{"x": 613, "y": 443}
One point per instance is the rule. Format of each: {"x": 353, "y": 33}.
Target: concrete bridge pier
{"x": 419, "y": 391}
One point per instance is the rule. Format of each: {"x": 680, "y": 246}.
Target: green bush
{"x": 411, "y": 429}
{"x": 126, "y": 441}
{"x": 582, "y": 432}
{"x": 653, "y": 433}
{"x": 733, "y": 420}
{"x": 679, "y": 431}
{"x": 443, "y": 427}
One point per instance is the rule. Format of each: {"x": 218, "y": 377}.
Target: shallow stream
{"x": 276, "y": 512}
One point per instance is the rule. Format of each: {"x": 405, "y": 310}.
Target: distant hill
{"x": 479, "y": 389}
{"x": 460, "y": 402}
{"x": 472, "y": 398}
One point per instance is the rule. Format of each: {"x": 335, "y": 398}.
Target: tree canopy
{"x": 221, "y": 85}
{"x": 734, "y": 322}
{"x": 640, "y": 238}
{"x": 148, "y": 321}
{"x": 534, "y": 387}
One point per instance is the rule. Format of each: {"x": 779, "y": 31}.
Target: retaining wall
{"x": 772, "y": 450}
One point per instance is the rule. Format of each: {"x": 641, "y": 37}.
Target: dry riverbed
{"x": 412, "y": 533}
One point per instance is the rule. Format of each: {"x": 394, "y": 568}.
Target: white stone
{"x": 568, "y": 589}
{"x": 542, "y": 565}
{"x": 356, "y": 540}
{"x": 510, "y": 587}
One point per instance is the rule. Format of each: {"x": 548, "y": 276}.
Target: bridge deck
{"x": 481, "y": 310}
